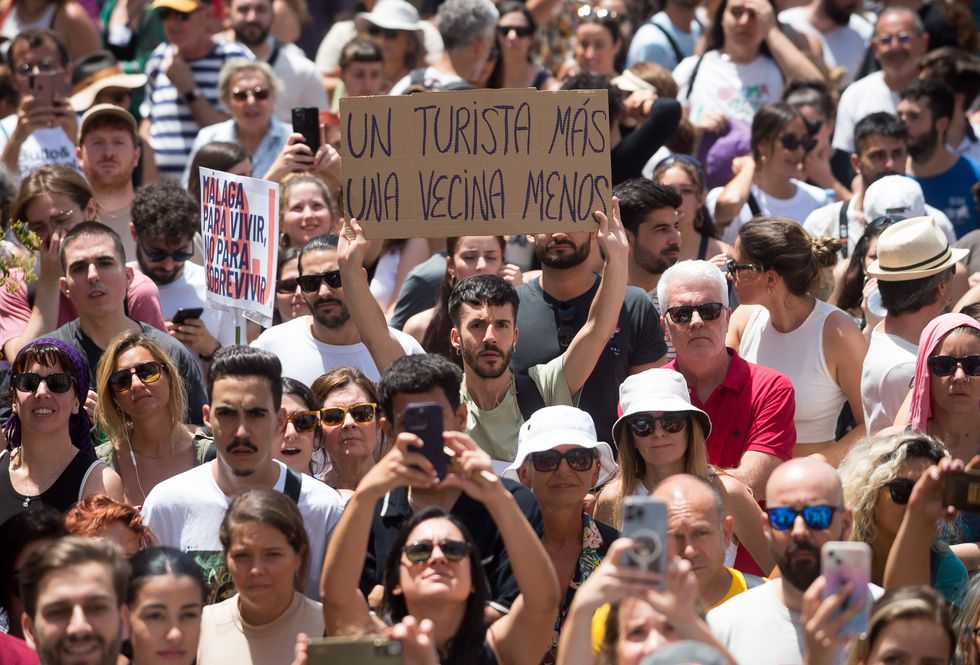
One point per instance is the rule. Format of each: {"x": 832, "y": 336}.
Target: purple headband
{"x": 79, "y": 425}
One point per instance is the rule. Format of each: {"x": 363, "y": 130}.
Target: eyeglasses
{"x": 421, "y": 550}
{"x": 304, "y": 421}
{"x": 566, "y": 333}
{"x": 946, "y": 365}
{"x": 815, "y": 517}
{"x": 166, "y": 12}
{"x": 287, "y": 285}
{"x": 387, "y": 33}
{"x": 792, "y": 142}
{"x": 258, "y": 93}
{"x": 579, "y": 459}
{"x": 732, "y": 267}
{"x": 157, "y": 255}
{"x": 519, "y": 30}
{"x": 43, "y": 67}
{"x": 311, "y": 283}
{"x": 122, "y": 380}
{"x": 708, "y": 311}
{"x": 334, "y": 416}
{"x": 57, "y": 382}
{"x": 903, "y": 38}
{"x": 900, "y": 490}
{"x": 672, "y": 423}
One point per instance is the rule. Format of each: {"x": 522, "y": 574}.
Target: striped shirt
{"x": 172, "y": 125}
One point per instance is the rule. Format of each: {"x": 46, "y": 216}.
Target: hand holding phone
{"x": 848, "y": 563}
{"x": 185, "y": 313}
{"x": 961, "y": 489}
{"x": 369, "y": 650}
{"x": 645, "y": 521}
{"x": 306, "y": 121}
{"x": 424, "y": 419}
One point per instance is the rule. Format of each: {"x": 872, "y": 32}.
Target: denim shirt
{"x": 270, "y": 147}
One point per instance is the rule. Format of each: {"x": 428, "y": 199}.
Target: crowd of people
{"x": 771, "y": 334}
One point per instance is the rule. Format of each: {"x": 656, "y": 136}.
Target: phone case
{"x": 371, "y": 650}
{"x": 306, "y": 121}
{"x": 424, "y": 419}
{"x": 645, "y": 520}
{"x": 962, "y": 490}
{"x": 842, "y": 562}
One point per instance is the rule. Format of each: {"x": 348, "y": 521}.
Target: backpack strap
{"x": 529, "y": 398}
{"x": 842, "y": 227}
{"x": 678, "y": 55}
{"x": 754, "y": 205}
{"x": 694, "y": 75}
{"x": 294, "y": 482}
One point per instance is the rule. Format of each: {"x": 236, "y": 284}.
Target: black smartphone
{"x": 370, "y": 650}
{"x": 645, "y": 521}
{"x": 306, "y": 121}
{"x": 424, "y": 419}
{"x": 961, "y": 489}
{"x": 182, "y": 315}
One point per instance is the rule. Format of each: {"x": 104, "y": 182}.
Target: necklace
{"x": 38, "y": 485}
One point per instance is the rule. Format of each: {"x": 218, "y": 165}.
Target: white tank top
{"x": 799, "y": 355}
{"x": 13, "y": 26}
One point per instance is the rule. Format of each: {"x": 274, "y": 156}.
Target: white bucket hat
{"x": 555, "y": 426}
{"x": 392, "y": 15}
{"x": 912, "y": 249}
{"x": 657, "y": 390}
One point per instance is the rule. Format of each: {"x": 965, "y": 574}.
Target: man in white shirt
{"x": 313, "y": 345}
{"x": 668, "y": 37}
{"x": 843, "y": 32}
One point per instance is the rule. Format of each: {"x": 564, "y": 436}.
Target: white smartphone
{"x": 842, "y": 562}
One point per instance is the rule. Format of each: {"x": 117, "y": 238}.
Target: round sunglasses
{"x": 579, "y": 459}
{"x": 900, "y": 490}
{"x": 304, "y": 421}
{"x": 946, "y": 365}
{"x": 672, "y": 423}
{"x": 817, "y": 518}
{"x": 57, "y": 382}
{"x": 420, "y": 551}
{"x": 334, "y": 416}
{"x": 148, "y": 372}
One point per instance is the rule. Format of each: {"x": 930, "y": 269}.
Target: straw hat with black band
{"x": 95, "y": 73}
{"x": 912, "y": 249}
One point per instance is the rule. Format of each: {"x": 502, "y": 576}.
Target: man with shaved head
{"x": 699, "y": 530}
{"x": 805, "y": 509}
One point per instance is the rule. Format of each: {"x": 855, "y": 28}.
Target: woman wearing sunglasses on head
{"x": 780, "y": 272}
{"x": 302, "y": 437}
{"x": 141, "y": 410}
{"x": 770, "y": 180}
{"x": 42, "y": 466}
{"x": 660, "y": 434}
{"x": 348, "y": 409}
{"x": 878, "y": 476}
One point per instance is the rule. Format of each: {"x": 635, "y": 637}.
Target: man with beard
{"x": 245, "y": 415}
{"x": 668, "y": 37}
{"x": 108, "y": 152}
{"x": 946, "y": 178}
{"x": 806, "y": 510}
{"x": 251, "y": 25}
{"x": 309, "y": 346}
{"x": 74, "y": 592}
{"x": 844, "y": 33}
{"x": 165, "y": 220}
{"x": 650, "y": 218}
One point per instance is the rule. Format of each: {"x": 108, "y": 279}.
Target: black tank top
{"x": 61, "y": 495}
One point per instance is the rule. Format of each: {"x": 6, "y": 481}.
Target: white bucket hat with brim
{"x": 392, "y": 15}
{"x": 657, "y": 391}
{"x": 555, "y": 426}
{"x": 912, "y": 249}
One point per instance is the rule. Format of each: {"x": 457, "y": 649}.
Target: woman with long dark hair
{"x": 517, "y": 33}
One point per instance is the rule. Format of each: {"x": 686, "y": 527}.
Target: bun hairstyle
{"x": 782, "y": 244}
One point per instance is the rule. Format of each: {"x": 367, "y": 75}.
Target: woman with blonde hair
{"x": 142, "y": 406}
{"x": 661, "y": 434}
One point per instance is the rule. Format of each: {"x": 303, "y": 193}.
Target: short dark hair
{"x": 593, "y": 81}
{"x": 769, "y": 122}
{"x": 34, "y": 38}
{"x": 92, "y": 230}
{"x": 360, "y": 50}
{"x": 157, "y": 561}
{"x": 880, "y": 123}
{"x": 418, "y": 374}
{"x": 19, "y": 532}
{"x": 956, "y": 68}
{"x": 245, "y": 361}
{"x": 810, "y": 93}
{"x": 937, "y": 95}
{"x": 913, "y": 294}
{"x": 479, "y": 290}
{"x": 109, "y": 121}
{"x": 326, "y": 242}
{"x": 638, "y": 197}
{"x": 163, "y": 209}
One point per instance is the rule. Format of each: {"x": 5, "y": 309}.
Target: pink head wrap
{"x": 931, "y": 336}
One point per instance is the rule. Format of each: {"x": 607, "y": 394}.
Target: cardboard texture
{"x": 480, "y": 162}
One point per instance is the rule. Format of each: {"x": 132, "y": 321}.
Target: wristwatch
{"x": 193, "y": 94}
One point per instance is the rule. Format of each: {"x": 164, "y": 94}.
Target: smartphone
{"x": 306, "y": 121}
{"x": 961, "y": 489}
{"x": 370, "y": 650}
{"x": 645, "y": 521}
{"x": 47, "y": 87}
{"x": 424, "y": 419}
{"x": 187, "y": 313}
{"x": 842, "y": 562}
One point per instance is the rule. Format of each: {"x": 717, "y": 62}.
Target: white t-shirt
{"x": 806, "y": 199}
{"x": 294, "y": 344}
{"x": 301, "y": 82}
{"x": 48, "y": 145}
{"x": 185, "y": 512}
{"x": 886, "y": 378}
{"x": 861, "y": 98}
{"x": 738, "y": 91}
{"x": 844, "y": 46}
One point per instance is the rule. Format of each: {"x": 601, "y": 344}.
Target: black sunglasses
{"x": 815, "y": 517}
{"x": 579, "y": 459}
{"x": 304, "y": 421}
{"x": 311, "y": 283}
{"x": 708, "y": 311}
{"x": 946, "y": 365}
{"x": 792, "y": 142}
{"x": 421, "y": 550}
{"x": 157, "y": 255}
{"x": 334, "y": 416}
{"x": 672, "y": 423}
{"x": 258, "y": 93}
{"x": 519, "y": 30}
{"x": 57, "y": 382}
{"x": 900, "y": 490}
{"x": 732, "y": 267}
{"x": 287, "y": 285}
{"x": 166, "y": 12}
{"x": 148, "y": 372}
{"x": 387, "y": 33}
{"x": 683, "y": 159}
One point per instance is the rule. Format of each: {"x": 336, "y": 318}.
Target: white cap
{"x": 895, "y": 196}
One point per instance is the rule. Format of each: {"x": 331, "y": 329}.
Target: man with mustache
{"x": 309, "y": 346}
{"x": 244, "y": 413}
{"x": 843, "y": 31}
{"x": 805, "y": 509}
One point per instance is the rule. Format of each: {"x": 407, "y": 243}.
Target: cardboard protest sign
{"x": 476, "y": 162}
{"x": 240, "y": 228}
